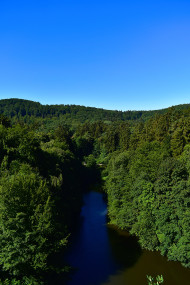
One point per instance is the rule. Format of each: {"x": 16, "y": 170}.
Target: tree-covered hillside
{"x": 41, "y": 186}
{"x": 19, "y": 109}
{"x": 46, "y": 165}
{"x": 147, "y": 178}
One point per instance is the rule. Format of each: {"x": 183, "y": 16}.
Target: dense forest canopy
{"x": 24, "y": 108}
{"x": 46, "y": 164}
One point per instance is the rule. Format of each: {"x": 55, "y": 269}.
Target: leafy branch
{"x": 159, "y": 280}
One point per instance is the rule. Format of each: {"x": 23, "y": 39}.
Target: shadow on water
{"x": 125, "y": 248}
{"x": 98, "y": 251}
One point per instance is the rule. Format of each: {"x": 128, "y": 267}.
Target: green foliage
{"x": 52, "y": 115}
{"x": 39, "y": 181}
{"x": 24, "y": 281}
{"x": 19, "y": 109}
{"x": 5, "y": 121}
{"x": 159, "y": 280}
{"x": 148, "y": 186}
{"x": 27, "y": 226}
{"x": 145, "y": 161}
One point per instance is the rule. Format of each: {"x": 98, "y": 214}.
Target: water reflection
{"x": 125, "y": 248}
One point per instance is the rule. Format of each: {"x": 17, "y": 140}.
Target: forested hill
{"x": 51, "y": 154}
{"x": 19, "y": 108}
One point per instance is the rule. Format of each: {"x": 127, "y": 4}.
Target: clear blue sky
{"x": 122, "y": 55}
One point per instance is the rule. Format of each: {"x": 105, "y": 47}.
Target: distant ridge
{"x": 19, "y": 108}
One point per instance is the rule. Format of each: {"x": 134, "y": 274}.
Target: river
{"x": 103, "y": 255}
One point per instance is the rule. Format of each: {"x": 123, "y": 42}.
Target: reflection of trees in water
{"x": 125, "y": 248}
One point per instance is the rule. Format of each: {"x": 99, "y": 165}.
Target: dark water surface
{"x": 102, "y": 255}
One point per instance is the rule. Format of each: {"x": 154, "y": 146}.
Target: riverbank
{"x": 103, "y": 255}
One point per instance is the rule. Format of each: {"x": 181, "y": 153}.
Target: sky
{"x": 117, "y": 55}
